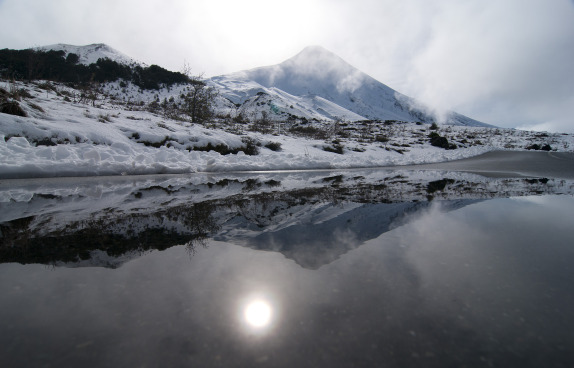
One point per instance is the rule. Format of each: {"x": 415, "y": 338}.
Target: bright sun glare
{"x": 258, "y": 313}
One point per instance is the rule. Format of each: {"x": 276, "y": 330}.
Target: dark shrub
{"x": 24, "y": 93}
{"x": 272, "y": 183}
{"x": 538, "y": 147}
{"x": 438, "y": 141}
{"x": 534, "y": 146}
{"x": 220, "y": 148}
{"x": 381, "y": 138}
{"x": 250, "y": 147}
{"x": 308, "y": 132}
{"x": 45, "y": 142}
{"x": 336, "y": 148}
{"x": 441, "y": 142}
{"x": 274, "y": 146}
{"x": 433, "y": 186}
{"x": 12, "y": 108}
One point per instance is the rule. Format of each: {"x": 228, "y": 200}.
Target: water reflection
{"x": 258, "y": 313}
{"x": 455, "y": 283}
{"x": 312, "y": 218}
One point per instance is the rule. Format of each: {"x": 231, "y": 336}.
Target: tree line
{"x": 58, "y": 67}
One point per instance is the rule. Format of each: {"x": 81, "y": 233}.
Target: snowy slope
{"x": 60, "y": 137}
{"x": 316, "y": 73}
{"x": 90, "y": 54}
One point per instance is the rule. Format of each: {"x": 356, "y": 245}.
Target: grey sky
{"x": 505, "y": 62}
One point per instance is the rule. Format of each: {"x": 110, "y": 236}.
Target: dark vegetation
{"x": 336, "y": 147}
{"x": 438, "y": 185}
{"x": 56, "y": 66}
{"x": 439, "y": 141}
{"x": 12, "y": 108}
{"x": 308, "y": 132}
{"x": 76, "y": 242}
{"x": 538, "y": 147}
{"x": 274, "y": 146}
{"x": 8, "y": 101}
{"x": 249, "y": 147}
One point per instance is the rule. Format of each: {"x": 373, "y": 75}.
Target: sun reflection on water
{"x": 258, "y": 313}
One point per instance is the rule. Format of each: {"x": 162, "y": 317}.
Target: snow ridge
{"x": 89, "y": 54}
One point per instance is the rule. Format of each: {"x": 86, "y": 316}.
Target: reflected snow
{"x": 342, "y": 268}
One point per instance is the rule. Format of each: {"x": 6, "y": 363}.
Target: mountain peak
{"x": 317, "y": 59}
{"x": 333, "y": 88}
{"x": 315, "y": 50}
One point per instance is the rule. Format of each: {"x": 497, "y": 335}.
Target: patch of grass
{"x": 308, "y": 132}
{"x": 12, "y": 108}
{"x": 104, "y": 118}
{"x": 36, "y": 107}
{"x": 335, "y": 148}
{"x": 381, "y": 138}
{"x": 24, "y": 93}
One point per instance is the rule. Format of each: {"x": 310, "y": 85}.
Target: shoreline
{"x": 496, "y": 164}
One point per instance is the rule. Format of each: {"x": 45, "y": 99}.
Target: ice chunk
{"x": 93, "y": 155}
{"x": 62, "y": 152}
{"x": 18, "y": 142}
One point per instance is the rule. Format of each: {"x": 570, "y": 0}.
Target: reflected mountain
{"x": 325, "y": 231}
{"x": 310, "y": 217}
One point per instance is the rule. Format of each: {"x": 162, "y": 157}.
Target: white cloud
{"x": 504, "y": 62}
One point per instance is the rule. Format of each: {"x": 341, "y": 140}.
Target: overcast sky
{"x": 505, "y": 62}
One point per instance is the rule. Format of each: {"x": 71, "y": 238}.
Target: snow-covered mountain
{"x": 318, "y": 84}
{"x": 49, "y": 128}
{"x": 90, "y": 54}
{"x": 314, "y": 84}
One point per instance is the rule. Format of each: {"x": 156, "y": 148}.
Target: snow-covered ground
{"x": 117, "y": 135}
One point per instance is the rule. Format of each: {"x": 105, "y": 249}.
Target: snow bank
{"x": 20, "y": 159}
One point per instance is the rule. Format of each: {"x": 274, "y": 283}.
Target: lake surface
{"x": 331, "y": 269}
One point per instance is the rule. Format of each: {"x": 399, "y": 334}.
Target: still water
{"x": 323, "y": 281}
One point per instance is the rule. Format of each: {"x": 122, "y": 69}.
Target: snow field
{"x": 63, "y": 138}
